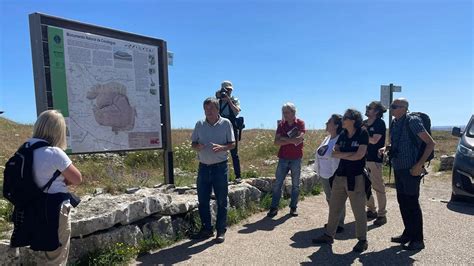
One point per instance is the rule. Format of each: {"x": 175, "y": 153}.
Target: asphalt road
{"x": 448, "y": 229}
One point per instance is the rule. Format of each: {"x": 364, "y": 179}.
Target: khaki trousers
{"x": 60, "y": 255}
{"x": 375, "y": 170}
{"x": 337, "y": 202}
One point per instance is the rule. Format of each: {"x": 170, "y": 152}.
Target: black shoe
{"x": 415, "y": 245}
{"x": 293, "y": 212}
{"x": 272, "y": 212}
{"x": 203, "y": 234}
{"x": 220, "y": 238}
{"x": 339, "y": 229}
{"x": 401, "y": 239}
{"x": 381, "y": 220}
{"x": 323, "y": 239}
{"x": 371, "y": 215}
{"x": 361, "y": 246}
{"x": 238, "y": 180}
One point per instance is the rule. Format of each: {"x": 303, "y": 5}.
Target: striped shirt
{"x": 406, "y": 152}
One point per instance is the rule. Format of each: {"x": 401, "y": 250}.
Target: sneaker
{"x": 339, "y": 229}
{"x": 371, "y": 215}
{"x": 238, "y": 180}
{"x": 361, "y": 246}
{"x": 293, "y": 212}
{"x": 323, "y": 239}
{"x": 202, "y": 234}
{"x": 401, "y": 239}
{"x": 272, "y": 212}
{"x": 381, "y": 220}
{"x": 415, "y": 245}
{"x": 220, "y": 238}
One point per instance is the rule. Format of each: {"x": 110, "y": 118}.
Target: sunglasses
{"x": 368, "y": 107}
{"x": 394, "y": 106}
{"x": 347, "y": 118}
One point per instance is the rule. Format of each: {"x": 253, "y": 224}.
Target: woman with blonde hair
{"x": 53, "y": 172}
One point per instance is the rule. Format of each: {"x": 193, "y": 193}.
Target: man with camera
{"x": 408, "y": 163}
{"x": 230, "y": 108}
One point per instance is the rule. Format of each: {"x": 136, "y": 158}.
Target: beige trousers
{"x": 375, "y": 174}
{"x": 357, "y": 198}
{"x": 60, "y": 255}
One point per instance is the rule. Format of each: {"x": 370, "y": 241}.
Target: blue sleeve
{"x": 195, "y": 135}
{"x": 416, "y": 125}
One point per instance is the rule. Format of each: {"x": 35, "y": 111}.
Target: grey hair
{"x": 289, "y": 106}
{"x": 211, "y": 100}
{"x": 404, "y": 101}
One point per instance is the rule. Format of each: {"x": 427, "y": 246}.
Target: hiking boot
{"x": 293, "y": 212}
{"x": 371, "y": 215}
{"x": 323, "y": 239}
{"x": 339, "y": 229}
{"x": 361, "y": 246}
{"x": 381, "y": 220}
{"x": 238, "y": 180}
{"x": 415, "y": 245}
{"x": 220, "y": 238}
{"x": 272, "y": 212}
{"x": 202, "y": 234}
{"x": 400, "y": 239}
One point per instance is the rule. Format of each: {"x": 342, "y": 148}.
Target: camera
{"x": 223, "y": 93}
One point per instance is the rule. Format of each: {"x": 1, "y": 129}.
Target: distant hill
{"x": 447, "y": 128}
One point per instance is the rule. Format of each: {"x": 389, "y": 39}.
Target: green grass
{"x": 266, "y": 202}
{"x": 117, "y": 254}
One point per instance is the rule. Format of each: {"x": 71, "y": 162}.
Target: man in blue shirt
{"x": 408, "y": 165}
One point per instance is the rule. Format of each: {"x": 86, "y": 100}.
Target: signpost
{"x": 111, "y": 86}
{"x": 386, "y": 98}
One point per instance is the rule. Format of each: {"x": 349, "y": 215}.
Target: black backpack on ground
{"x": 19, "y": 186}
{"x": 427, "y": 125}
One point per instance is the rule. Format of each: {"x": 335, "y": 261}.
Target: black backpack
{"x": 427, "y": 125}
{"x": 19, "y": 186}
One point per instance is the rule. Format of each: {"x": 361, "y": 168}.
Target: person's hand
{"x": 200, "y": 146}
{"x": 217, "y": 147}
{"x": 416, "y": 170}
{"x": 382, "y": 151}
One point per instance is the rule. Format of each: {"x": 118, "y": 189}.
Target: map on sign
{"x": 112, "y": 92}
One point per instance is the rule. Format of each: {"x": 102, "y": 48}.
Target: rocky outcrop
{"x": 446, "y": 162}
{"x": 165, "y": 211}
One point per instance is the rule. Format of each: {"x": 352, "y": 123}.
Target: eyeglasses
{"x": 347, "y": 118}
{"x": 394, "y": 106}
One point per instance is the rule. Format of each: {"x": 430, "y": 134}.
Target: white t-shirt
{"x": 46, "y": 161}
{"x": 326, "y": 165}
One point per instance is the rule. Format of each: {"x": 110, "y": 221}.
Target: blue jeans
{"x": 211, "y": 177}
{"x": 284, "y": 166}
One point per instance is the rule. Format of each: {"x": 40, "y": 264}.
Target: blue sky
{"x": 325, "y": 56}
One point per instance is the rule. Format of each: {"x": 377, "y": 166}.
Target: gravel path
{"x": 448, "y": 230}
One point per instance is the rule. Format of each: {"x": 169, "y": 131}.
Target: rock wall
{"x": 166, "y": 211}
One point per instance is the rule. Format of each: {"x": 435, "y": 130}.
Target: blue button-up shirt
{"x": 407, "y": 154}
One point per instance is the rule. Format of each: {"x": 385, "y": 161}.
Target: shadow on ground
{"x": 176, "y": 254}
{"x": 265, "y": 224}
{"x": 461, "y": 207}
{"x": 394, "y": 255}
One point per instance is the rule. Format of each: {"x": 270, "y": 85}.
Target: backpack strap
{"x": 50, "y": 182}
{"x": 37, "y": 145}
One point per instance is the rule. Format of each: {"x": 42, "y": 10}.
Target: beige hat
{"x": 226, "y": 85}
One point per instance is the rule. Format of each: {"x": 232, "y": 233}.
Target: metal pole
{"x": 168, "y": 149}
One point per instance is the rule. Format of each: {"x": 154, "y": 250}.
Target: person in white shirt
{"x": 325, "y": 165}
{"x": 50, "y": 127}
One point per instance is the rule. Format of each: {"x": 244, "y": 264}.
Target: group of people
{"x": 348, "y": 162}
{"x": 351, "y": 146}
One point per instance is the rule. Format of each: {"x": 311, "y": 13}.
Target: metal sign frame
{"x": 42, "y": 76}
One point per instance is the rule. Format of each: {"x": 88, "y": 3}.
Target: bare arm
{"x": 359, "y": 154}
{"x": 226, "y": 147}
{"x": 196, "y": 146}
{"x": 72, "y": 176}
{"x": 280, "y": 140}
{"x": 337, "y": 153}
{"x": 374, "y": 139}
